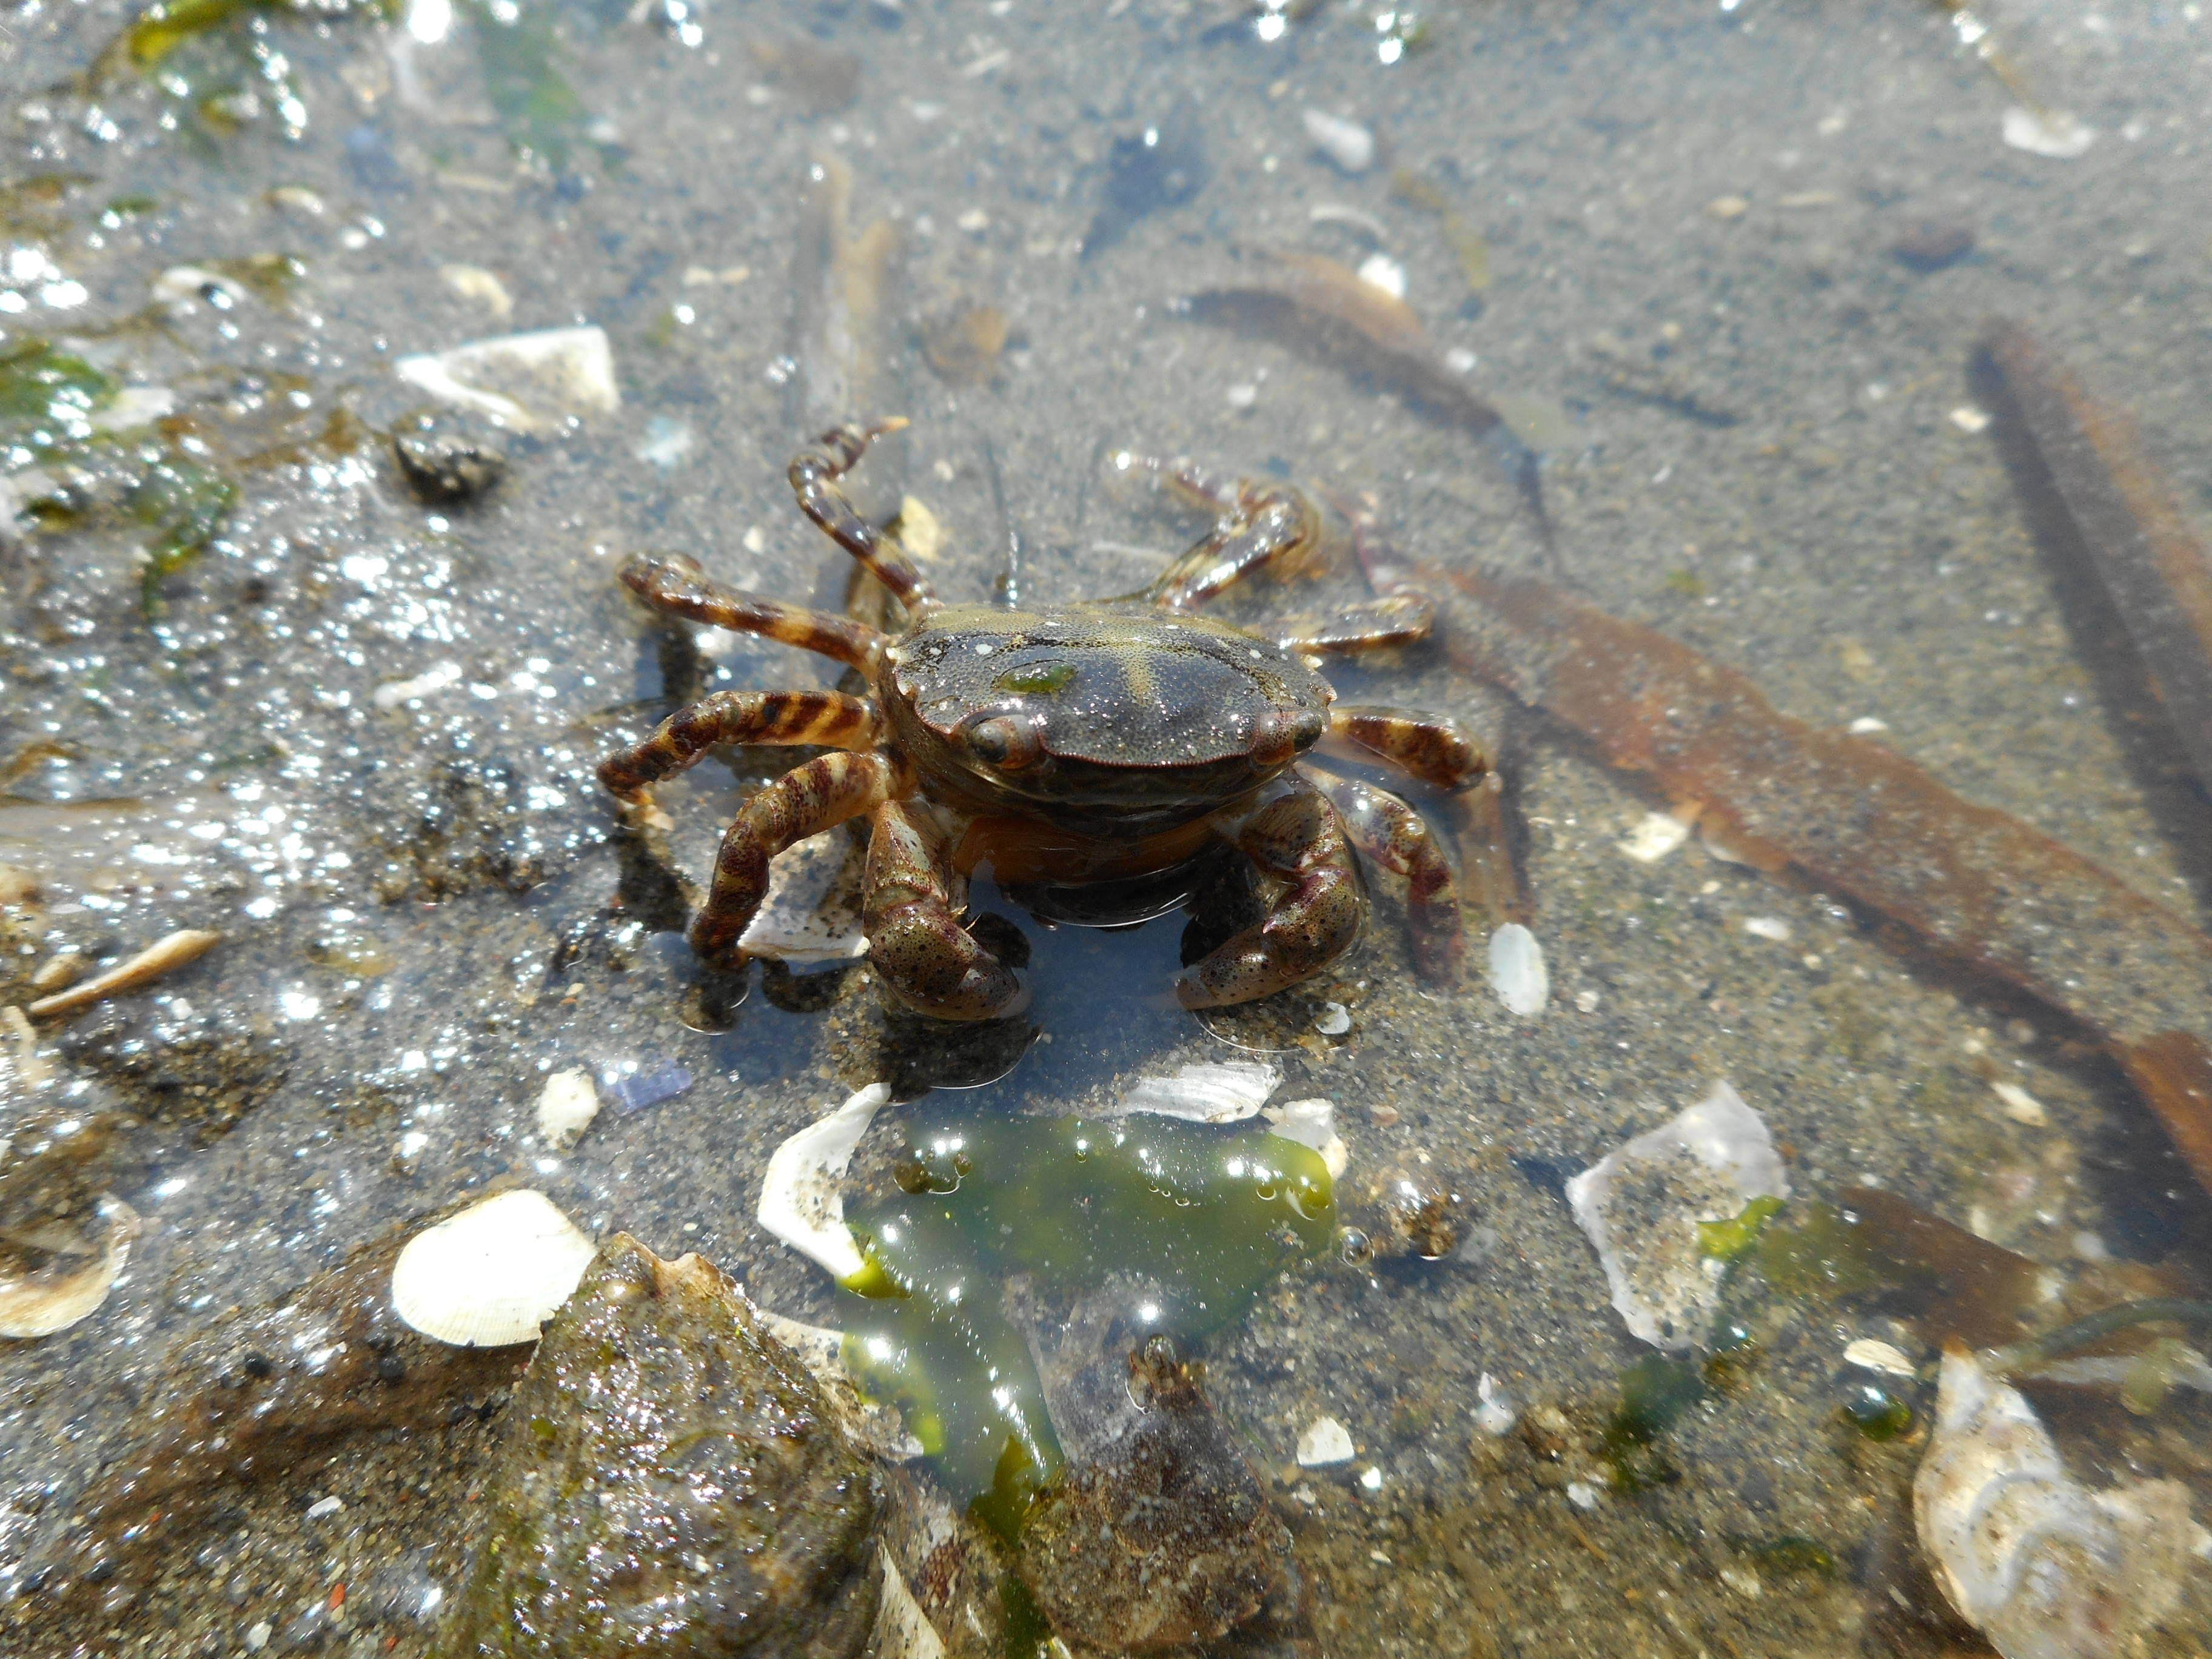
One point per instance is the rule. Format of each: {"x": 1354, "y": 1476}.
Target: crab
{"x": 1091, "y": 743}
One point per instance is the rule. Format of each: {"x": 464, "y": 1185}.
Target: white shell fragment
{"x": 1656, "y": 834}
{"x": 2042, "y": 1565}
{"x": 165, "y": 955}
{"x": 490, "y": 1275}
{"x": 1642, "y": 1206}
{"x": 527, "y": 381}
{"x": 1868, "y": 1355}
{"x": 2056, "y": 134}
{"x": 1495, "y": 1413}
{"x": 1517, "y": 972}
{"x": 1227, "y": 1093}
{"x": 1770, "y": 927}
{"x": 812, "y": 911}
{"x": 70, "y": 1287}
{"x": 902, "y": 1630}
{"x": 2020, "y": 1106}
{"x": 801, "y": 1201}
{"x": 1312, "y": 1123}
{"x": 1323, "y": 1441}
{"x": 566, "y": 1108}
{"x": 475, "y": 282}
{"x": 1346, "y": 142}
{"x": 428, "y": 683}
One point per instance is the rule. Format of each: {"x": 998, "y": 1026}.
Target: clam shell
{"x": 490, "y": 1275}
{"x": 53, "y": 1299}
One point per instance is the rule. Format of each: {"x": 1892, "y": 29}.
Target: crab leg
{"x": 815, "y": 472}
{"x": 1399, "y": 620}
{"x": 1294, "y": 835}
{"x": 675, "y": 584}
{"x": 828, "y": 718}
{"x": 804, "y": 801}
{"x": 1398, "y": 838}
{"x": 1260, "y": 521}
{"x": 925, "y": 958}
{"x": 1435, "y": 748}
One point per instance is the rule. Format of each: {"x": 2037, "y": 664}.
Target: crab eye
{"x": 1006, "y": 742}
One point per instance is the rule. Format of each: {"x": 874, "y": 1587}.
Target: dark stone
{"x": 1932, "y": 245}
{"x": 445, "y": 458}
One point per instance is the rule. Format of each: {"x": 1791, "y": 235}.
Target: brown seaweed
{"x": 2127, "y": 527}
{"x": 1972, "y": 883}
{"x": 1319, "y": 308}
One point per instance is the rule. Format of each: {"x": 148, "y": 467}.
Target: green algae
{"x": 1202, "y": 1217}
{"x": 1727, "y": 1241}
{"x": 47, "y": 396}
{"x": 1876, "y": 1413}
{"x": 162, "y": 28}
{"x": 519, "y": 50}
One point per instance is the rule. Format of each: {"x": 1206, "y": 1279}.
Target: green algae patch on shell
{"x": 673, "y": 1481}
{"x": 1207, "y": 1215}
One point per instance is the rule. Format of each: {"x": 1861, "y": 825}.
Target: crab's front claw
{"x": 1295, "y": 836}
{"x": 922, "y": 955}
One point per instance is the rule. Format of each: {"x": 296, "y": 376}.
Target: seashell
{"x": 2045, "y": 1568}
{"x": 490, "y": 1275}
{"x": 54, "y": 1298}
{"x": 1228, "y": 1092}
{"x": 566, "y": 1108}
{"x": 1517, "y": 972}
{"x": 171, "y": 951}
{"x": 800, "y": 1201}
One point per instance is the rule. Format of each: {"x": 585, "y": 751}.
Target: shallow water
{"x": 419, "y": 894}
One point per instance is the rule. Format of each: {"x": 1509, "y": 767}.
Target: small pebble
{"x": 257, "y": 1635}
{"x": 1866, "y": 724}
{"x": 445, "y": 458}
{"x": 1346, "y": 142}
{"x": 1335, "y": 1020}
{"x": 1931, "y": 245}
{"x": 323, "y": 1506}
{"x": 1967, "y": 418}
{"x": 1583, "y": 1494}
{"x": 1460, "y": 360}
{"x": 1728, "y": 207}
{"x": 1243, "y": 395}
{"x": 1586, "y": 1000}
{"x": 1372, "y": 1478}
{"x": 1384, "y": 1116}
{"x": 1771, "y": 927}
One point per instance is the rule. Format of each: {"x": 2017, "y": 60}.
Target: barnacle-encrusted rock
{"x": 1156, "y": 1535}
{"x": 673, "y": 1482}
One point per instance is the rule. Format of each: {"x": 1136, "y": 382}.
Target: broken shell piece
{"x": 158, "y": 958}
{"x": 1227, "y": 1093}
{"x": 1870, "y": 1354}
{"x": 2055, "y": 134}
{"x": 801, "y": 1201}
{"x": 1517, "y": 972}
{"x": 1347, "y": 143}
{"x": 566, "y": 1108}
{"x": 42, "y": 1300}
{"x": 527, "y": 381}
{"x": 2042, "y": 1565}
{"x": 1655, "y": 836}
{"x": 475, "y": 282}
{"x": 1643, "y": 1207}
{"x": 491, "y": 1274}
{"x": 1495, "y": 1413}
{"x": 1323, "y": 1441}
{"x": 1312, "y": 1123}
{"x": 813, "y": 909}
